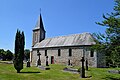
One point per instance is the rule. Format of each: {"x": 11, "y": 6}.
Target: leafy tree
{"x": 19, "y": 51}
{"x": 6, "y": 55}
{"x": 27, "y": 54}
{"x": 9, "y": 55}
{"x": 2, "y": 54}
{"x": 109, "y": 43}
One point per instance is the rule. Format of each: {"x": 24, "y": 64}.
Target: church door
{"x": 52, "y": 59}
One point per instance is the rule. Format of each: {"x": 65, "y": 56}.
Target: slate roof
{"x": 70, "y": 40}
{"x": 39, "y": 24}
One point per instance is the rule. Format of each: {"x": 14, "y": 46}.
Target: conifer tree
{"x": 19, "y": 51}
{"x": 109, "y": 43}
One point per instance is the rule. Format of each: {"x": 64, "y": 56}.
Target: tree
{"x": 2, "y": 54}
{"x": 27, "y": 54}
{"x": 109, "y": 43}
{"x": 9, "y": 55}
{"x": 6, "y": 55}
{"x": 19, "y": 51}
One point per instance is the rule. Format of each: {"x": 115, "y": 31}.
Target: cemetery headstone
{"x": 28, "y": 64}
{"x": 69, "y": 62}
{"x": 86, "y": 64}
{"x": 39, "y": 61}
{"x": 82, "y": 72}
{"x": 47, "y": 61}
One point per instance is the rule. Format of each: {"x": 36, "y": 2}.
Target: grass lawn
{"x": 7, "y": 72}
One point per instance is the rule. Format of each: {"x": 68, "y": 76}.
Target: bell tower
{"x": 38, "y": 31}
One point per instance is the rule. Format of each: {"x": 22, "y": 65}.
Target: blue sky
{"x": 60, "y": 17}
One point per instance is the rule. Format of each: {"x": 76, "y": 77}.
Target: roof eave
{"x": 63, "y": 46}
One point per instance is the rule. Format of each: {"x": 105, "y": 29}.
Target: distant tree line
{"x": 6, "y": 55}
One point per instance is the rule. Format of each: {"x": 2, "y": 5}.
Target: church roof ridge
{"x": 70, "y": 40}
{"x": 68, "y": 35}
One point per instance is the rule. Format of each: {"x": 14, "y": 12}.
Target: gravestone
{"x": 44, "y": 67}
{"x": 39, "y": 61}
{"x": 47, "y": 61}
{"x": 71, "y": 70}
{"x": 69, "y": 62}
{"x": 114, "y": 71}
{"x": 86, "y": 64}
{"x": 82, "y": 72}
{"x": 28, "y": 64}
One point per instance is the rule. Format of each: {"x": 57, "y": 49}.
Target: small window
{"x": 70, "y": 52}
{"x": 92, "y": 53}
{"x": 59, "y": 52}
{"x": 45, "y": 52}
{"x": 35, "y": 37}
{"x": 42, "y": 35}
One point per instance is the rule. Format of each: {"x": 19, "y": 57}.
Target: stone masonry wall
{"x": 77, "y": 54}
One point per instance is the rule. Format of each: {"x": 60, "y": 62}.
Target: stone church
{"x": 66, "y": 50}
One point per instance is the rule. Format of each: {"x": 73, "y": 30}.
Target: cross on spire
{"x": 40, "y": 10}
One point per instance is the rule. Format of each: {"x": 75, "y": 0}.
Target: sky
{"x": 60, "y": 17}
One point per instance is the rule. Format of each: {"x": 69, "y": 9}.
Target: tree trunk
{"x": 18, "y": 71}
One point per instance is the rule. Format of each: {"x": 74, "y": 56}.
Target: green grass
{"x": 7, "y": 72}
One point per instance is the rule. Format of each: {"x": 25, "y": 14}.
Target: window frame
{"x": 59, "y": 52}
{"x": 91, "y": 53}
{"x": 45, "y": 52}
{"x": 70, "y": 52}
{"x": 36, "y": 37}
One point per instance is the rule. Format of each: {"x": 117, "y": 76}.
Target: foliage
{"x": 109, "y": 42}
{"x": 19, "y": 51}
{"x": 9, "y": 55}
{"x": 6, "y": 55}
{"x": 27, "y": 54}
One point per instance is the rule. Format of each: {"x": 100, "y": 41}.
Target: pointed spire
{"x": 39, "y": 24}
{"x": 40, "y": 11}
